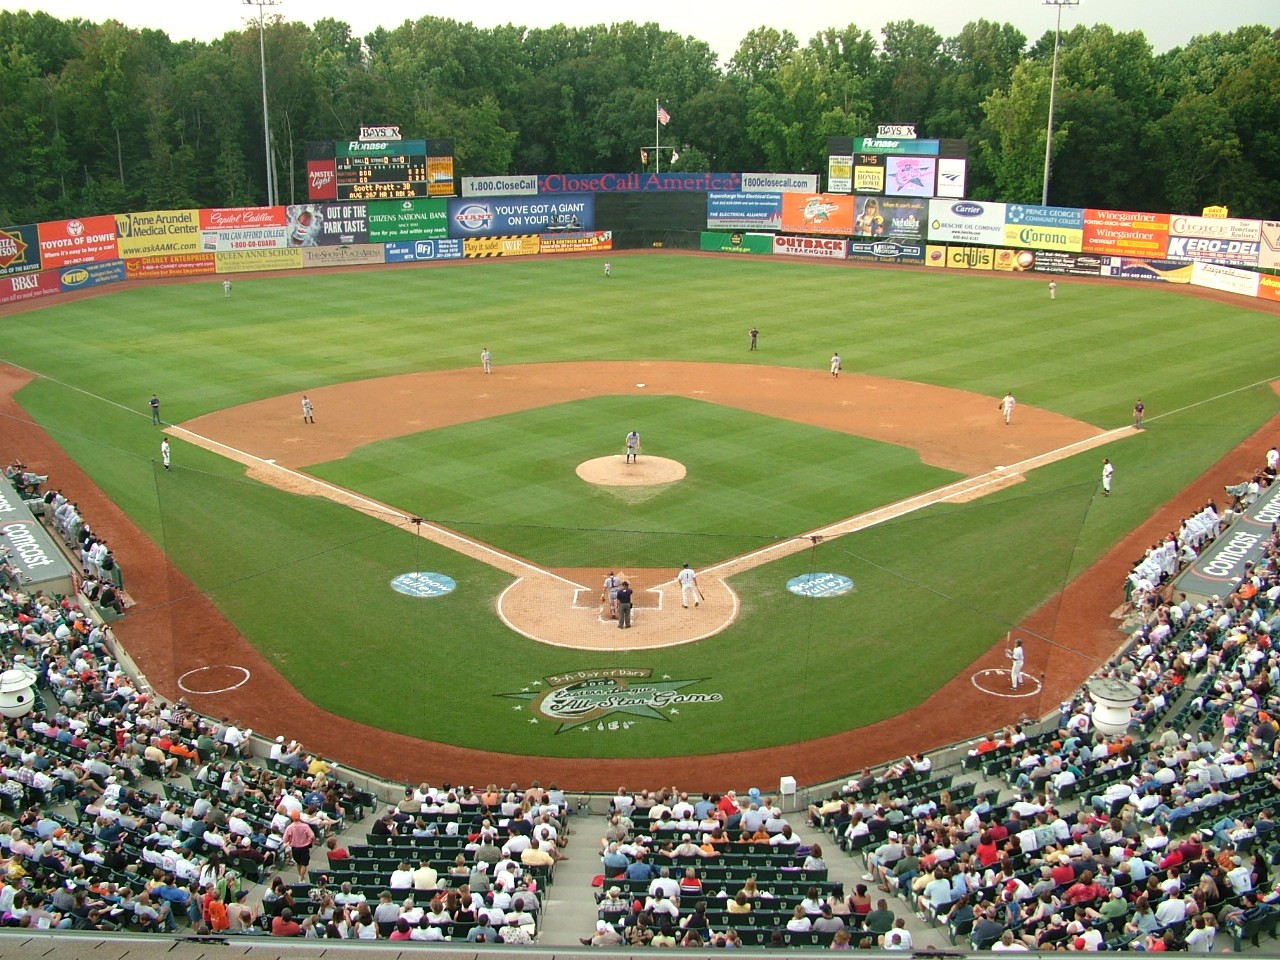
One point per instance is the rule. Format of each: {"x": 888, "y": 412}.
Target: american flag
{"x": 663, "y": 117}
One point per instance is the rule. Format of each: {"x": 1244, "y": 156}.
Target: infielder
{"x": 1139, "y": 413}
{"x": 1108, "y": 469}
{"x": 486, "y": 360}
{"x": 1017, "y": 659}
{"x": 1006, "y": 407}
{"x": 835, "y": 365}
{"x": 688, "y": 587}
{"x": 633, "y": 447}
{"x": 164, "y": 452}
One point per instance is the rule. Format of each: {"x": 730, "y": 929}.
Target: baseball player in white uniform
{"x": 1108, "y": 469}
{"x": 633, "y": 447}
{"x": 164, "y": 452}
{"x": 835, "y": 365}
{"x": 688, "y": 587}
{"x": 1017, "y": 660}
{"x": 1006, "y": 407}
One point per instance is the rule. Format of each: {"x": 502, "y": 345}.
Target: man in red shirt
{"x": 284, "y": 926}
{"x": 299, "y": 837}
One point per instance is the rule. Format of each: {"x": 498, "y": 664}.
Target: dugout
{"x": 31, "y": 550}
{"x": 651, "y": 219}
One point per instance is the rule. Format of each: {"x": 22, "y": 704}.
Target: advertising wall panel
{"x": 1227, "y": 279}
{"x": 817, "y": 213}
{"x": 440, "y": 177}
{"x": 922, "y": 148}
{"x": 910, "y": 176}
{"x": 65, "y": 243}
{"x": 391, "y": 220}
{"x": 407, "y": 251}
{"x": 1268, "y": 287}
{"x": 951, "y": 177}
{"x": 638, "y": 182}
{"x": 155, "y": 232}
{"x": 820, "y": 248}
{"x": 1125, "y": 232}
{"x": 1243, "y": 253}
{"x": 780, "y": 183}
{"x": 1214, "y": 228}
{"x": 1044, "y": 228}
{"x": 256, "y": 261}
{"x": 592, "y": 241}
{"x": 1013, "y": 260}
{"x": 1269, "y": 252}
{"x": 19, "y": 249}
{"x": 525, "y": 186}
{"x": 744, "y": 211}
{"x": 839, "y": 174}
{"x": 868, "y": 174}
{"x": 1140, "y": 268}
{"x": 322, "y": 180}
{"x": 737, "y": 242}
{"x": 1067, "y": 264}
{"x": 91, "y": 275}
{"x": 970, "y": 258}
{"x": 243, "y": 228}
{"x": 29, "y": 286}
{"x": 890, "y": 217}
{"x": 886, "y": 251}
{"x": 966, "y": 221}
{"x": 327, "y": 224}
{"x": 512, "y": 216}
{"x": 172, "y": 265}
{"x": 505, "y": 246}
{"x": 350, "y": 255}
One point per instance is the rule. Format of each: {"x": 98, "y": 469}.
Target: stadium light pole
{"x": 266, "y": 124}
{"x": 1053, "y": 87}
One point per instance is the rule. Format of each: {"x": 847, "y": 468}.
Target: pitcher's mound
{"x": 616, "y": 472}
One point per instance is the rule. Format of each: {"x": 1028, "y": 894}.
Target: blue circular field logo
{"x": 423, "y": 584}
{"x": 820, "y": 585}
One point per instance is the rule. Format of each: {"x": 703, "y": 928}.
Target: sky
{"x": 721, "y": 23}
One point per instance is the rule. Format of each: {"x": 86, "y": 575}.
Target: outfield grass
{"x": 307, "y": 581}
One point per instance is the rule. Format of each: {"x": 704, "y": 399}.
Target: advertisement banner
{"x": 348, "y": 255}
{"x": 910, "y": 176}
{"x": 839, "y": 174}
{"x": 258, "y": 261}
{"x": 243, "y": 228}
{"x": 505, "y": 246}
{"x": 1214, "y": 228}
{"x": 639, "y": 182}
{"x": 887, "y": 251}
{"x": 1125, "y": 232}
{"x": 376, "y": 148}
{"x": 576, "y": 242}
{"x": 1139, "y": 268}
{"x": 920, "y": 148}
{"x": 512, "y": 216}
{"x": 391, "y": 220}
{"x": 817, "y": 247}
{"x": 322, "y": 180}
{"x": 525, "y": 186}
{"x": 154, "y": 232}
{"x": 242, "y": 218}
{"x": 966, "y": 221}
{"x": 868, "y": 177}
{"x": 780, "y": 183}
{"x": 1062, "y": 263}
{"x": 263, "y": 238}
{"x": 327, "y": 224}
{"x": 28, "y": 286}
{"x": 1014, "y": 261}
{"x": 406, "y": 252}
{"x": 91, "y": 275}
{"x": 817, "y": 213}
{"x": 65, "y": 243}
{"x": 19, "y": 249}
{"x": 440, "y": 177}
{"x": 1268, "y": 287}
{"x": 173, "y": 265}
{"x": 737, "y": 242}
{"x": 1044, "y": 228}
{"x": 1226, "y": 279}
{"x": 1240, "y": 253}
{"x": 890, "y": 217}
{"x": 951, "y": 177}
{"x": 744, "y": 211}
{"x": 971, "y": 258}
{"x": 1269, "y": 252}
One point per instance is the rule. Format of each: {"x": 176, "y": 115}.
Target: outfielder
{"x": 1017, "y": 657}
{"x": 688, "y": 587}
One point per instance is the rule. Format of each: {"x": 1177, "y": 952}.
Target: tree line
{"x": 101, "y": 118}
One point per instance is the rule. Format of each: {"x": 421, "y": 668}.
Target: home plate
{"x": 639, "y": 384}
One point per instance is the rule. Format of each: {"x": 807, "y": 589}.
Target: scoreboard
{"x": 382, "y": 170}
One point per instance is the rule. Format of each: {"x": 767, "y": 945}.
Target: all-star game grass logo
{"x": 585, "y": 699}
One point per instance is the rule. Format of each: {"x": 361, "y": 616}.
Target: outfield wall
{"x": 599, "y": 212}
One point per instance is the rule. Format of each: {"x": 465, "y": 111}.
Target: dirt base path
{"x": 164, "y": 648}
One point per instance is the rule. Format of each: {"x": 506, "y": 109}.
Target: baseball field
{"x": 466, "y": 487}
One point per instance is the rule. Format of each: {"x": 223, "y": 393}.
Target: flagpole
{"x": 657, "y": 151}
